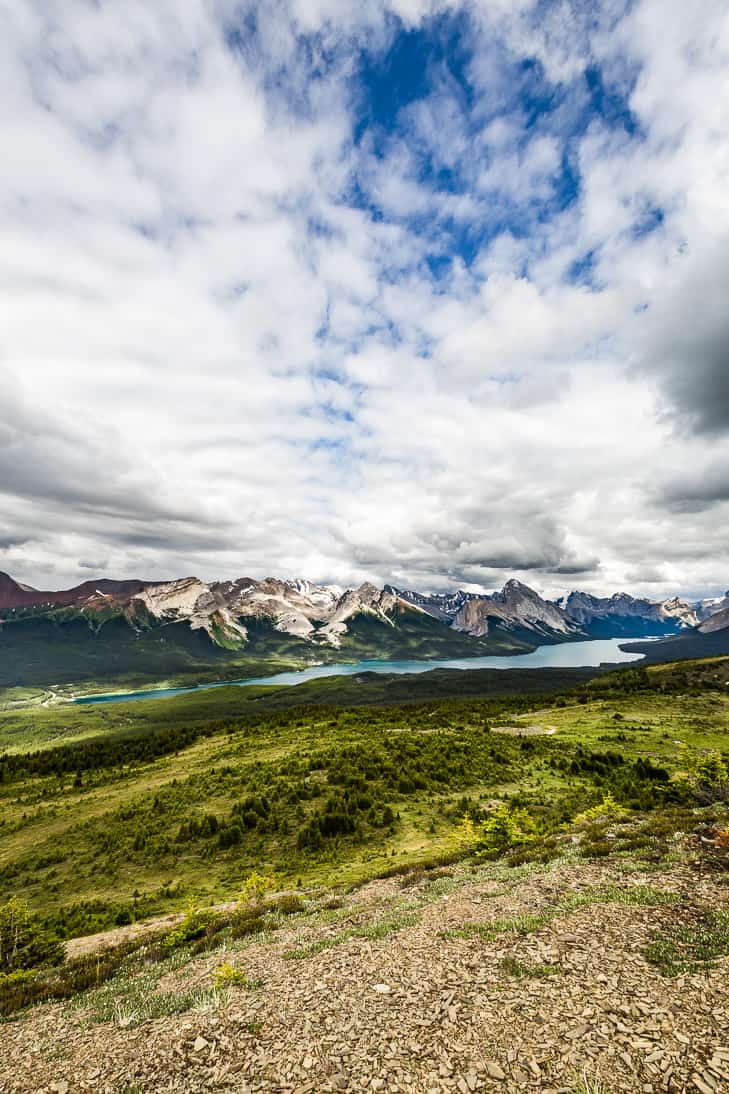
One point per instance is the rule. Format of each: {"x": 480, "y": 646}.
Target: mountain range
{"x": 108, "y": 628}
{"x": 114, "y": 627}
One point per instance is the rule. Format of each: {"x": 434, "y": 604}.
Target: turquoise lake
{"x": 567, "y": 655}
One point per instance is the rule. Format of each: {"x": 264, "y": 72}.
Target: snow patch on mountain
{"x": 366, "y": 600}
{"x": 588, "y": 609}
{"x": 680, "y": 610}
{"x": 191, "y": 600}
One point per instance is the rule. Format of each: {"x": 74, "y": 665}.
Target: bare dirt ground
{"x": 525, "y": 731}
{"x": 417, "y": 1011}
{"x": 91, "y": 943}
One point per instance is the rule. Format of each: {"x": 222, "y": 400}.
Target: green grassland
{"x": 32, "y": 718}
{"x": 110, "y": 813}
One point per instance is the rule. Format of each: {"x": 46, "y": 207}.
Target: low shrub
{"x": 608, "y": 808}
{"x": 539, "y": 850}
{"x": 227, "y": 975}
{"x": 503, "y": 828}
{"x": 24, "y": 988}
{"x": 288, "y": 904}
{"x": 24, "y": 942}
{"x": 512, "y": 966}
{"x": 246, "y": 921}
{"x": 196, "y": 923}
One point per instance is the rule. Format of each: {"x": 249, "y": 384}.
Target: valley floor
{"x": 427, "y": 982}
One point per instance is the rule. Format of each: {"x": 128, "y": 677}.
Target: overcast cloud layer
{"x": 416, "y": 291}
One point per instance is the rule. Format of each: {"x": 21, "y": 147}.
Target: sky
{"x": 428, "y": 292}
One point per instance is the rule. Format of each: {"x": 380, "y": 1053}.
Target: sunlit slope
{"x": 169, "y": 806}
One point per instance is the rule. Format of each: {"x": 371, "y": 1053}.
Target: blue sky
{"x": 421, "y": 291}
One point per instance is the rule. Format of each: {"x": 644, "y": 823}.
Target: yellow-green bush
{"x": 503, "y": 828}
{"x": 24, "y": 942}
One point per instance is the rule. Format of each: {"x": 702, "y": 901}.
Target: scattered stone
{"x": 318, "y": 1025}
{"x": 494, "y": 1071}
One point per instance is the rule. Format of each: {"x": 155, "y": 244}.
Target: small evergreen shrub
{"x": 608, "y": 808}
{"x": 502, "y": 829}
{"x": 24, "y": 942}
{"x": 196, "y": 923}
{"x": 705, "y": 773}
{"x": 255, "y": 888}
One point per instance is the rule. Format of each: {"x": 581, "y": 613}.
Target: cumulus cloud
{"x": 420, "y": 291}
{"x": 696, "y": 487}
{"x": 687, "y": 340}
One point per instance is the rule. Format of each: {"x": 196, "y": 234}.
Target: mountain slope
{"x": 624, "y": 615}
{"x": 414, "y": 635}
{"x": 708, "y": 639}
{"x": 681, "y": 647}
{"x": 187, "y": 629}
{"x": 428, "y": 967}
{"x": 517, "y": 611}
{"x": 719, "y": 621}
{"x": 443, "y": 606}
{"x": 14, "y": 595}
{"x": 535, "y": 963}
{"x": 712, "y": 605}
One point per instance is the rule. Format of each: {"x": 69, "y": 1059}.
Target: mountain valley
{"x": 201, "y": 874}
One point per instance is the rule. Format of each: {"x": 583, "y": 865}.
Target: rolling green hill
{"x": 689, "y": 645}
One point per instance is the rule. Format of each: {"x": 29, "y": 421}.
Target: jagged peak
{"x": 368, "y": 591}
{"x": 319, "y": 612}
{"x": 514, "y": 587}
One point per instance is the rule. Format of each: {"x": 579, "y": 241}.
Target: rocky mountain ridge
{"x": 15, "y": 595}
{"x": 314, "y": 613}
{"x": 717, "y": 621}
{"x": 323, "y": 614}
{"x": 589, "y": 610}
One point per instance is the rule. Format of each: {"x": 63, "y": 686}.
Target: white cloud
{"x": 224, "y": 348}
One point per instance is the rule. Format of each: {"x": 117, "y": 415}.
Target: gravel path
{"x": 415, "y": 1011}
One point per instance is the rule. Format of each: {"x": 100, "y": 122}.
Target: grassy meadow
{"x": 117, "y": 812}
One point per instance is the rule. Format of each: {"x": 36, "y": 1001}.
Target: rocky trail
{"x": 429, "y": 983}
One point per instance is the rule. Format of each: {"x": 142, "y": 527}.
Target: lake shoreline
{"x": 592, "y": 653}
